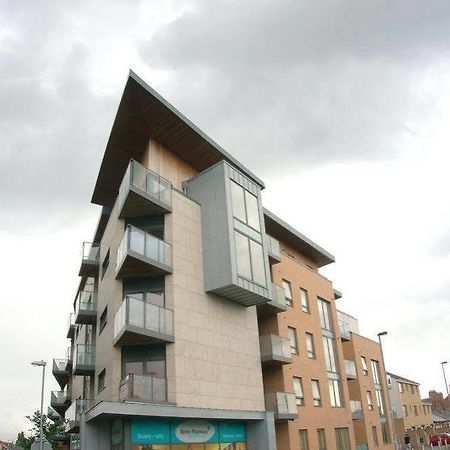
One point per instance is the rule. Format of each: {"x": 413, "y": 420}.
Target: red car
{"x": 443, "y": 438}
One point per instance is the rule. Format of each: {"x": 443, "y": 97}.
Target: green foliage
{"x": 50, "y": 428}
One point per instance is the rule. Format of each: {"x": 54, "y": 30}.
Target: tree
{"x": 50, "y": 428}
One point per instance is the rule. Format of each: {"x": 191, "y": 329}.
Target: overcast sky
{"x": 341, "y": 107}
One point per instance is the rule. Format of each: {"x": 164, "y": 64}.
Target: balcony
{"x": 69, "y": 359}
{"x": 276, "y": 303}
{"x": 73, "y": 415}
{"x": 350, "y": 369}
{"x": 90, "y": 259}
{"x": 71, "y": 326}
{"x": 141, "y": 253}
{"x": 86, "y": 308}
{"x": 84, "y": 360}
{"x": 52, "y": 414}
{"x": 344, "y": 330}
{"x": 61, "y": 372}
{"x": 273, "y": 249}
{"x": 283, "y": 405}
{"x": 355, "y": 407}
{"x": 275, "y": 350}
{"x": 143, "y": 192}
{"x": 60, "y": 401}
{"x": 143, "y": 388}
{"x": 139, "y": 322}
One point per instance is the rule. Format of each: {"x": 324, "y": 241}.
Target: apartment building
{"x": 412, "y": 418}
{"x": 201, "y": 321}
{"x": 367, "y": 385}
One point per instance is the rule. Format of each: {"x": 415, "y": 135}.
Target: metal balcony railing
{"x": 86, "y": 307}
{"x": 143, "y": 388}
{"x": 59, "y": 398}
{"x": 73, "y": 414}
{"x": 84, "y": 359}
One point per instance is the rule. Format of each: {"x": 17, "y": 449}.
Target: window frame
{"x": 101, "y": 379}
{"x": 287, "y": 287}
{"x": 304, "y": 301}
{"x": 369, "y": 399}
{"x": 334, "y": 390}
{"x": 376, "y": 442}
{"x": 316, "y": 396}
{"x": 299, "y": 393}
{"x": 103, "y": 320}
{"x": 365, "y": 368}
{"x": 311, "y": 352}
{"x": 322, "y": 438}
{"x": 293, "y": 340}
{"x": 303, "y": 432}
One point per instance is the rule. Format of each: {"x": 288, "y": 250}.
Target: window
{"x": 101, "y": 380}
{"x": 335, "y": 393}
{"x": 415, "y": 411}
{"x": 385, "y": 433}
{"x": 321, "y": 439}
{"x": 324, "y": 312}
{"x": 330, "y": 359}
{"x": 144, "y": 360}
{"x": 303, "y": 439}
{"x": 369, "y": 400}
{"x": 298, "y": 388}
{"x": 375, "y": 371}
{"x": 292, "y": 333}
{"x": 250, "y": 259}
{"x": 342, "y": 439}
{"x": 103, "y": 320}
{"x": 400, "y": 387}
{"x": 317, "y": 401}
{"x": 304, "y": 300}
{"x": 364, "y": 365}
{"x": 105, "y": 264}
{"x": 245, "y": 206}
{"x": 310, "y": 345}
{"x": 379, "y": 401}
{"x": 375, "y": 436}
{"x": 287, "y": 292}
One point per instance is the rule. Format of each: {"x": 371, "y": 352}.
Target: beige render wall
{"x": 215, "y": 360}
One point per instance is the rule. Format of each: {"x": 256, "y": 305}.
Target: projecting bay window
{"x": 245, "y": 206}
{"x": 250, "y": 259}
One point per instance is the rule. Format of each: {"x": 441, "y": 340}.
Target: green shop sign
{"x": 190, "y": 431}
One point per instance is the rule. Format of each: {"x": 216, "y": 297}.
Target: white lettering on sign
{"x": 195, "y": 431}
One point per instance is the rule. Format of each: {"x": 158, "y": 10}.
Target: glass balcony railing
{"x": 143, "y": 388}
{"x": 138, "y": 317}
{"x": 344, "y": 329}
{"x": 350, "y": 368}
{"x": 59, "y": 398}
{"x": 273, "y": 248}
{"x": 86, "y": 307}
{"x": 150, "y": 192}
{"x": 275, "y": 349}
{"x": 59, "y": 366}
{"x": 146, "y": 248}
{"x": 69, "y": 357}
{"x": 71, "y": 326}
{"x": 84, "y": 359}
{"x": 283, "y": 404}
{"x": 355, "y": 407}
{"x": 89, "y": 259}
{"x": 277, "y": 296}
{"x": 73, "y": 414}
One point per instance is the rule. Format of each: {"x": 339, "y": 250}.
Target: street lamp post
{"x": 445, "y": 378}
{"x": 384, "y": 333}
{"x": 41, "y": 364}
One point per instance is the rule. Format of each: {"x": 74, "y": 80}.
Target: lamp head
{"x": 39, "y": 363}
{"x": 444, "y": 362}
{"x": 383, "y": 333}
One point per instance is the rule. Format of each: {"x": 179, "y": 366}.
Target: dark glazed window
{"x": 103, "y": 320}
{"x": 105, "y": 263}
{"x": 101, "y": 380}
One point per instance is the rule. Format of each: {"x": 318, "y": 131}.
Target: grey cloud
{"x": 311, "y": 82}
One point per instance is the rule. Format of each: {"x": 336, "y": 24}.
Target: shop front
{"x": 187, "y": 434}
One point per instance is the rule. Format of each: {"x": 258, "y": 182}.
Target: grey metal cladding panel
{"x": 240, "y": 295}
{"x": 209, "y": 189}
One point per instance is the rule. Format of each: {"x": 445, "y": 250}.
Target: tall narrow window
{"x": 101, "y": 380}
{"x": 238, "y": 202}
{"x": 379, "y": 401}
{"x": 330, "y": 358}
{"x": 415, "y": 410}
{"x": 303, "y": 439}
{"x": 105, "y": 264}
{"x": 250, "y": 259}
{"x": 317, "y": 401}
{"x": 364, "y": 365}
{"x": 292, "y": 333}
{"x": 375, "y": 436}
{"x": 369, "y": 400}
{"x": 324, "y": 312}
{"x": 298, "y": 389}
{"x": 405, "y": 410}
{"x": 400, "y": 387}
{"x": 335, "y": 393}
{"x": 342, "y": 439}
{"x": 375, "y": 371}
{"x": 245, "y": 206}
{"x": 287, "y": 292}
{"x": 304, "y": 300}
{"x": 385, "y": 433}
{"x": 310, "y": 345}
{"x": 321, "y": 439}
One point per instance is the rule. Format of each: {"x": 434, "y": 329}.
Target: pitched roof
{"x": 402, "y": 379}
{"x": 144, "y": 114}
